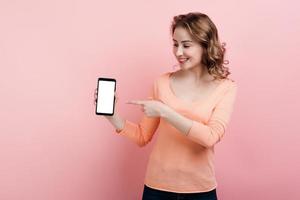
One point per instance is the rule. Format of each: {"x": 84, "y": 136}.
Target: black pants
{"x": 154, "y": 194}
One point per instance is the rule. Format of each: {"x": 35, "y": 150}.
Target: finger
{"x": 95, "y": 93}
{"x": 135, "y": 102}
{"x": 132, "y": 102}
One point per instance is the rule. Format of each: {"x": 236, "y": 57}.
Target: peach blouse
{"x": 178, "y": 162}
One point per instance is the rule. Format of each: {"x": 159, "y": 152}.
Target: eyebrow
{"x": 183, "y": 41}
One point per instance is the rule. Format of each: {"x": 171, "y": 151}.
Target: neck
{"x": 197, "y": 75}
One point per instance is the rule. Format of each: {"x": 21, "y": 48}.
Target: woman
{"x": 189, "y": 109}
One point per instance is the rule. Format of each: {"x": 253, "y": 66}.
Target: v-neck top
{"x": 194, "y": 102}
{"x": 179, "y": 162}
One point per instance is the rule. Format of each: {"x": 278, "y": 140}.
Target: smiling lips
{"x": 182, "y": 60}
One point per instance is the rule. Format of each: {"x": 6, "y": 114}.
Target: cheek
{"x": 196, "y": 53}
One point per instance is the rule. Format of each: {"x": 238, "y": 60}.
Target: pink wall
{"x": 52, "y": 144}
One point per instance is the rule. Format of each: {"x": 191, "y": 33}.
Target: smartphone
{"x": 105, "y": 104}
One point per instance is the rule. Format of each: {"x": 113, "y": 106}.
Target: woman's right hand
{"x": 115, "y": 119}
{"x": 95, "y": 101}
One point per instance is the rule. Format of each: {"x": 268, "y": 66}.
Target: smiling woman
{"x": 189, "y": 110}
{"x": 196, "y": 42}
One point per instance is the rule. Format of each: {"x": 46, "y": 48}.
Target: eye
{"x": 175, "y": 45}
{"x": 186, "y": 46}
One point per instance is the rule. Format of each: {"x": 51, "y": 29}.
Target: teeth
{"x": 183, "y": 60}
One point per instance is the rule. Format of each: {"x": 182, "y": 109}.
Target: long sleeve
{"x": 211, "y": 133}
{"x": 142, "y": 132}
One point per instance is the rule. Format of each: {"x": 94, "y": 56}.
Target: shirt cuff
{"x": 196, "y": 129}
{"x": 128, "y": 127}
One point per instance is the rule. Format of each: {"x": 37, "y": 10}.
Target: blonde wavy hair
{"x": 204, "y": 31}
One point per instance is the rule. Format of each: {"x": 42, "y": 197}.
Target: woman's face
{"x": 186, "y": 50}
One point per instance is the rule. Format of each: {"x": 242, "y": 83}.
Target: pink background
{"x": 52, "y": 144}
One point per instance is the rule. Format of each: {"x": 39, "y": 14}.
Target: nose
{"x": 179, "y": 51}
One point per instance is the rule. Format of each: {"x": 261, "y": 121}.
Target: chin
{"x": 183, "y": 67}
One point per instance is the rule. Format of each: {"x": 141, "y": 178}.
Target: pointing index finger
{"x": 135, "y": 102}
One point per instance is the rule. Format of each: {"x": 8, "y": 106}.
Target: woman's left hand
{"x": 152, "y": 108}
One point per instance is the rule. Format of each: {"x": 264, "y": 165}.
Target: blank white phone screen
{"x": 105, "y": 99}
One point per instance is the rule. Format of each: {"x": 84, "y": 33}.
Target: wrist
{"x": 164, "y": 112}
